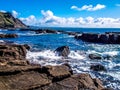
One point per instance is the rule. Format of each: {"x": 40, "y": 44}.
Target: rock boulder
{"x": 98, "y": 67}
{"x": 63, "y": 51}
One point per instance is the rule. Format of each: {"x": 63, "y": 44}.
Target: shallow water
{"x": 43, "y": 46}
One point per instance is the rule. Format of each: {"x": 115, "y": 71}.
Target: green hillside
{"x": 8, "y": 21}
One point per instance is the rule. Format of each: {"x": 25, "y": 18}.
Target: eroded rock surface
{"x": 16, "y": 73}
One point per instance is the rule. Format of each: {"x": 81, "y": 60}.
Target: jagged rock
{"x": 107, "y": 38}
{"x": 95, "y": 56}
{"x": 12, "y": 52}
{"x": 104, "y": 38}
{"x": 98, "y": 67}
{"x": 16, "y": 73}
{"x": 76, "y": 82}
{"x": 58, "y": 72}
{"x": 8, "y": 35}
{"x": 7, "y": 21}
{"x": 63, "y": 51}
{"x": 27, "y": 46}
{"x": 35, "y": 77}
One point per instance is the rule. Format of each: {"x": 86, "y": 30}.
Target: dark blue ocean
{"x": 43, "y": 46}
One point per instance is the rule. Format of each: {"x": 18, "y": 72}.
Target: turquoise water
{"x": 43, "y": 46}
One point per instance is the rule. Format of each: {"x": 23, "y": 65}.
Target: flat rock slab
{"x": 75, "y": 82}
{"x": 24, "y": 81}
{"x": 57, "y": 72}
{"x": 9, "y": 70}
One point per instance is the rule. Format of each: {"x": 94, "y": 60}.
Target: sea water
{"x": 43, "y": 46}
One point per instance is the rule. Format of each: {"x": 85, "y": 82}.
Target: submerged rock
{"x": 63, "y": 51}
{"x": 98, "y": 67}
{"x": 95, "y": 56}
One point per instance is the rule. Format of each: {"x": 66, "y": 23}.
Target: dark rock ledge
{"x": 16, "y": 73}
{"x": 8, "y": 35}
{"x": 106, "y": 38}
{"x": 50, "y": 31}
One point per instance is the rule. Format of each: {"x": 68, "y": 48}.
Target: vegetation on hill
{"x": 7, "y": 21}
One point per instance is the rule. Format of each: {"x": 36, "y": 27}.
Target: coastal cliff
{"x": 7, "y": 21}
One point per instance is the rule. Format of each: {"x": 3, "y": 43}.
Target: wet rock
{"x": 104, "y": 38}
{"x": 27, "y": 46}
{"x": 72, "y": 33}
{"x": 51, "y": 31}
{"x": 45, "y": 31}
{"x": 90, "y": 37}
{"x": 95, "y": 56}
{"x": 98, "y": 67}
{"x": 8, "y": 35}
{"x": 63, "y": 51}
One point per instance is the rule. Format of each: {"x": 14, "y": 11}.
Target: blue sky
{"x": 69, "y": 10}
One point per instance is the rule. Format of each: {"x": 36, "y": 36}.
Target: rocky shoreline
{"x": 16, "y": 73}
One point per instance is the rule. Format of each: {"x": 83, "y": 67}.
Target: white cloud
{"x": 49, "y": 19}
{"x": 118, "y": 5}
{"x": 3, "y": 11}
{"x": 14, "y": 13}
{"x": 31, "y": 20}
{"x": 89, "y": 7}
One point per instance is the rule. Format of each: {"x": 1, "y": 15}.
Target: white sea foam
{"x": 49, "y": 56}
{"x": 46, "y": 54}
{"x": 1, "y": 41}
{"x": 110, "y": 53}
{"x": 76, "y": 55}
{"x": 29, "y": 34}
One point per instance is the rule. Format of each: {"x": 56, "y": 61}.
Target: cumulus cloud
{"x": 2, "y": 11}
{"x": 49, "y": 19}
{"x": 88, "y": 7}
{"x": 30, "y": 20}
{"x": 14, "y": 13}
